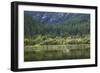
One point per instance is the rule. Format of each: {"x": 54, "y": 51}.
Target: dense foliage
{"x": 75, "y": 26}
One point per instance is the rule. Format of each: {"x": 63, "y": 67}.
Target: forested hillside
{"x": 61, "y": 24}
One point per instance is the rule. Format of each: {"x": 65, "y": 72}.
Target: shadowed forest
{"x": 56, "y": 36}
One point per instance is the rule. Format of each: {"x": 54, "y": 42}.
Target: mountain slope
{"x": 53, "y": 17}
{"x": 57, "y": 24}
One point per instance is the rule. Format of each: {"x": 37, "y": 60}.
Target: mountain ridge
{"x": 54, "y": 17}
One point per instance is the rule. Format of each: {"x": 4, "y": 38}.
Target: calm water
{"x": 56, "y": 52}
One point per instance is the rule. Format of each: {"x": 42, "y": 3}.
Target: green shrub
{"x": 57, "y": 40}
